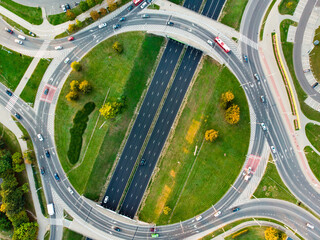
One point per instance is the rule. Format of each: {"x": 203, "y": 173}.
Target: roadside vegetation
{"x": 265, "y": 19}
{"x": 15, "y": 25}
{"x": 288, "y": 7}
{"x": 287, "y": 48}
{"x": 257, "y": 233}
{"x": 71, "y": 235}
{"x": 103, "y": 137}
{"x": 10, "y": 74}
{"x": 154, "y": 6}
{"x": 179, "y": 2}
{"x": 313, "y": 135}
{"x": 232, "y": 13}
{"x": 167, "y": 200}
{"x": 30, "y": 14}
{"x": 313, "y": 160}
{"x": 315, "y": 56}
{"x": 30, "y": 90}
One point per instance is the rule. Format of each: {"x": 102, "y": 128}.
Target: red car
{"x": 8, "y": 30}
{"x": 70, "y": 38}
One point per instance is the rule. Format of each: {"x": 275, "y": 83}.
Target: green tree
{"x": 17, "y": 162}
{"x": 111, "y": 109}
{"x": 71, "y": 28}
{"x": 25, "y": 187}
{"x": 76, "y": 66}
{"x": 25, "y": 137}
{"x": 95, "y": 15}
{"x": 18, "y": 219}
{"x": 117, "y": 46}
{"x": 13, "y": 201}
{"x": 27, "y": 231}
{"x": 72, "y": 96}
{"x": 84, "y": 6}
{"x": 91, "y": 3}
{"x": 5, "y": 161}
{"x": 28, "y": 156}
{"x": 5, "y": 223}
{"x": 74, "y": 85}
{"x": 79, "y": 24}
{"x": 9, "y": 181}
{"x": 70, "y": 15}
{"x": 85, "y": 86}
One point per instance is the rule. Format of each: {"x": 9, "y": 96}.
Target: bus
{"x": 137, "y": 2}
{"x": 222, "y": 44}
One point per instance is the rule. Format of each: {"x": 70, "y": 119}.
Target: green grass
{"x": 101, "y": 67}
{"x": 265, "y": 19}
{"x": 232, "y": 13}
{"x": 71, "y": 235}
{"x": 287, "y": 49}
{"x": 40, "y": 192}
{"x": 315, "y": 57}
{"x": 30, "y": 90}
{"x": 47, "y": 235}
{"x": 207, "y": 182}
{"x": 10, "y": 74}
{"x": 15, "y": 25}
{"x": 30, "y": 14}
{"x": 313, "y": 134}
{"x": 179, "y": 2}
{"x": 288, "y": 6}
{"x": 255, "y": 232}
{"x": 10, "y": 139}
{"x": 313, "y": 160}
{"x": 79, "y": 126}
{"x": 59, "y": 18}
{"x": 154, "y": 6}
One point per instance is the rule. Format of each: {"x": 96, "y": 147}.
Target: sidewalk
{"x": 7, "y": 121}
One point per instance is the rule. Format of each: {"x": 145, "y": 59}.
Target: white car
{"x": 217, "y": 214}
{"x": 102, "y": 25}
{"x": 18, "y": 41}
{"x": 273, "y": 149}
{"x": 198, "y": 218}
{"x": 143, "y": 5}
{"x": 310, "y": 226}
{"x": 22, "y": 37}
{"x": 105, "y": 200}
{"x": 58, "y": 47}
{"x": 263, "y": 126}
{"x": 67, "y": 60}
{"x": 40, "y": 137}
{"x": 210, "y": 43}
{"x": 70, "y": 190}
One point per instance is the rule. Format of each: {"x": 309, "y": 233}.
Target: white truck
{"x": 50, "y": 208}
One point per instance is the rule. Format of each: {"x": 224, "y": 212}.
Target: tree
{"x": 271, "y": 234}
{"x": 84, "y": 6}
{"x": 5, "y": 223}
{"x": 166, "y": 210}
{"x": 91, "y": 3}
{"x": 211, "y": 135}
{"x": 76, "y": 66}
{"x": 232, "y": 115}
{"x": 103, "y": 11}
{"x": 18, "y": 219}
{"x": 13, "y": 201}
{"x": 74, "y": 86}
{"x": 79, "y": 24}
{"x": 226, "y": 99}
{"x": 70, "y": 15}
{"x": 9, "y": 181}
{"x": 5, "y": 161}
{"x": 17, "y": 162}
{"x": 117, "y": 46}
{"x": 112, "y": 5}
{"x": 27, "y": 231}
{"x": 25, "y": 187}
{"x": 28, "y": 157}
{"x": 111, "y": 109}
{"x": 85, "y": 86}
{"x": 71, "y": 27}
{"x": 71, "y": 96}
{"x": 95, "y": 15}
{"x": 25, "y": 137}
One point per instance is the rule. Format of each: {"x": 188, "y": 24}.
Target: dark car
{"x": 245, "y": 58}
{"x": 46, "y": 91}
{"x": 235, "y": 209}
{"x": 115, "y": 26}
{"x": 68, "y": 6}
{"x": 256, "y": 76}
{"x": 122, "y": 19}
{"x": 9, "y": 93}
{"x": 17, "y": 115}
{"x": 42, "y": 171}
{"x": 142, "y": 162}
{"x": 130, "y": 8}
{"x": 262, "y": 99}
{"x": 56, "y": 176}
{"x": 153, "y": 229}
{"x": 47, "y": 153}
{"x": 170, "y": 23}
{"x": 117, "y": 229}
{"x": 8, "y": 30}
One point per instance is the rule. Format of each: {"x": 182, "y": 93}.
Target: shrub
{"x": 70, "y": 15}
{"x": 226, "y": 99}
{"x": 79, "y": 24}
{"x": 111, "y": 109}
{"x": 112, "y": 5}
{"x": 74, "y": 86}
{"x": 118, "y": 47}
{"x": 71, "y": 28}
{"x": 95, "y": 15}
{"x": 232, "y": 114}
{"x": 85, "y": 86}
{"x": 103, "y": 11}
{"x": 79, "y": 126}
{"x": 211, "y": 135}
{"x": 76, "y": 66}
{"x": 72, "y": 96}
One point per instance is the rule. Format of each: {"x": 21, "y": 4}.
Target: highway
{"x": 286, "y": 157}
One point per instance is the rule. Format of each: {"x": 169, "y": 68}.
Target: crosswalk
{"x": 11, "y": 103}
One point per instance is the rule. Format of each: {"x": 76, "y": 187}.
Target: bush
{"x": 232, "y": 114}
{"x": 118, "y": 47}
{"x": 70, "y": 15}
{"x": 111, "y": 109}
{"x": 76, "y": 66}
{"x": 79, "y": 126}
{"x": 91, "y": 3}
{"x": 95, "y": 15}
{"x": 84, "y": 6}
{"x": 74, "y": 86}
{"x": 72, "y": 96}
{"x": 85, "y": 86}
{"x": 5, "y": 224}
{"x": 211, "y": 135}
{"x": 71, "y": 28}
{"x": 103, "y": 11}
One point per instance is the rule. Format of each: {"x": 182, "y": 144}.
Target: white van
{"x": 22, "y": 37}
{"x": 50, "y": 208}
{"x": 310, "y": 226}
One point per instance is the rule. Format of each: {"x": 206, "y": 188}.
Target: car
{"x": 47, "y": 153}
{"x": 262, "y": 99}
{"x": 32, "y": 34}
{"x": 105, "y": 200}
{"x": 264, "y": 128}
{"x": 143, "y": 5}
{"x": 210, "y": 43}
{"x": 17, "y": 115}
{"x": 273, "y": 149}
{"x": 8, "y": 30}
{"x": 249, "y": 170}
{"x": 116, "y": 26}
{"x": 46, "y": 91}
{"x": 102, "y": 25}
{"x": 21, "y": 37}
{"x": 309, "y": 225}
{"x": 40, "y": 137}
{"x": 245, "y": 58}
{"x": 67, "y": 60}
{"x": 76, "y": 3}
{"x": 58, "y": 47}
{"x": 216, "y": 214}
{"x": 9, "y": 93}
{"x": 145, "y": 16}
{"x": 154, "y": 235}
{"x": 153, "y": 229}
{"x": 235, "y": 209}
{"x": 70, "y": 38}
{"x": 130, "y": 8}
{"x": 122, "y": 19}
{"x": 64, "y": 8}
{"x": 56, "y": 176}
{"x": 256, "y": 76}
{"x": 149, "y": 1}
{"x": 68, "y": 6}
{"x": 18, "y": 41}
{"x": 42, "y": 171}
{"x": 117, "y": 229}
{"x": 70, "y": 190}
{"x": 247, "y": 177}
{"x": 142, "y": 162}
{"x": 170, "y": 23}
{"x": 199, "y": 218}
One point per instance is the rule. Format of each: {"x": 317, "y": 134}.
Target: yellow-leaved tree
{"x": 111, "y": 109}
{"x": 232, "y": 114}
{"x": 211, "y": 135}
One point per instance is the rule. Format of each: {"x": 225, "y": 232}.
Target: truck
{"x": 50, "y": 208}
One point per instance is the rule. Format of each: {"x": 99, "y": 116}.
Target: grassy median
{"x": 232, "y": 13}
{"x": 315, "y": 57}
{"x": 218, "y": 163}
{"x": 313, "y": 160}
{"x": 288, "y": 6}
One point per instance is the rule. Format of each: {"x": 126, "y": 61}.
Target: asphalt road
{"x": 193, "y": 4}
{"x": 213, "y": 8}
{"x": 142, "y": 124}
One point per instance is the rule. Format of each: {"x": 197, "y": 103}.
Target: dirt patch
{"x": 192, "y": 131}
{"x": 162, "y": 200}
